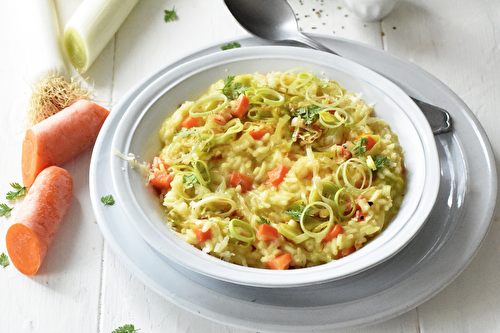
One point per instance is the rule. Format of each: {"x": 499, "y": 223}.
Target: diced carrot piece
{"x": 345, "y": 252}
{"x": 241, "y": 106}
{"x": 244, "y": 181}
{"x": 258, "y": 133}
{"x": 59, "y": 138}
{"x": 190, "y": 122}
{"x": 370, "y": 141}
{"x": 161, "y": 180}
{"x": 160, "y": 175}
{"x": 267, "y": 232}
{"x": 280, "y": 262}
{"x": 277, "y": 175}
{"x": 333, "y": 233}
{"x": 203, "y": 236}
{"x": 220, "y": 118}
{"x": 39, "y": 218}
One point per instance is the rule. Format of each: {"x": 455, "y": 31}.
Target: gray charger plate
{"x": 437, "y": 255}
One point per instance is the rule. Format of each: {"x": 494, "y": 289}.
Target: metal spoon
{"x": 275, "y": 20}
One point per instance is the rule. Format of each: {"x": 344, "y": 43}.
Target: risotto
{"x": 278, "y": 170}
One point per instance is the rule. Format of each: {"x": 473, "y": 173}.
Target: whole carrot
{"x": 38, "y": 219}
{"x": 60, "y": 137}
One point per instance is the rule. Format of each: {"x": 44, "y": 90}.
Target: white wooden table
{"x": 83, "y": 287}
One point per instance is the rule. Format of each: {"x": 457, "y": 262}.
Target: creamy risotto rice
{"x": 279, "y": 170}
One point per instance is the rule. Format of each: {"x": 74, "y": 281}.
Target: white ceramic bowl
{"x": 137, "y": 133}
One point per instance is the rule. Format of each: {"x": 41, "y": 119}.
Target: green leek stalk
{"x": 91, "y": 28}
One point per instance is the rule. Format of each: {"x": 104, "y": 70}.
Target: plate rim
{"x": 409, "y": 303}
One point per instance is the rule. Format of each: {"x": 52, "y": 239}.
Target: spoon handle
{"x": 301, "y": 38}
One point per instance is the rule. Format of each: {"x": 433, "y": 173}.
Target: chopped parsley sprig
{"x": 309, "y": 113}
{"x": 126, "y": 329}
{"x": 381, "y": 161}
{"x": 19, "y": 191}
{"x": 170, "y": 15}
{"x": 229, "y": 46}
{"x": 108, "y": 200}
{"x": 360, "y": 147}
{"x": 233, "y": 89}
{"x": 5, "y": 210}
{"x": 4, "y": 260}
{"x": 295, "y": 211}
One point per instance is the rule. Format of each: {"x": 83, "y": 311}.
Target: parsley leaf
{"x": 263, "y": 220}
{"x": 4, "y": 260}
{"x": 295, "y": 211}
{"x": 19, "y": 192}
{"x": 233, "y": 89}
{"x": 126, "y": 329}
{"x": 108, "y": 200}
{"x": 360, "y": 148}
{"x": 308, "y": 113}
{"x": 189, "y": 180}
{"x": 230, "y": 46}
{"x": 381, "y": 161}
{"x": 171, "y": 15}
{"x": 5, "y": 210}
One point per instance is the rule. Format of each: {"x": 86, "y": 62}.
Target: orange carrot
{"x": 345, "y": 252}
{"x": 333, "y": 233}
{"x": 60, "y": 137}
{"x": 203, "y": 236}
{"x": 281, "y": 261}
{"x": 159, "y": 174}
{"x": 277, "y": 175}
{"x": 267, "y": 232}
{"x": 370, "y": 141}
{"x": 241, "y": 106}
{"x": 161, "y": 180}
{"x": 245, "y": 181}
{"x": 190, "y": 122}
{"x": 38, "y": 219}
{"x": 221, "y": 118}
{"x": 258, "y": 133}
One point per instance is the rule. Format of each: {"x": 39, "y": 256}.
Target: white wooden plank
{"x": 331, "y": 18}
{"x": 68, "y": 283}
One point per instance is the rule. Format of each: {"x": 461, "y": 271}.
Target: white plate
{"x": 442, "y": 249}
{"x": 137, "y": 133}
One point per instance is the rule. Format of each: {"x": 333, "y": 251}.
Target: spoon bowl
{"x": 272, "y": 20}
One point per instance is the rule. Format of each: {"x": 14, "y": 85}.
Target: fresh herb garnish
{"x": 230, "y": 46}
{"x": 126, "y": 329}
{"x": 233, "y": 89}
{"x": 108, "y": 200}
{"x": 189, "y": 180}
{"x": 308, "y": 113}
{"x": 19, "y": 191}
{"x": 171, "y": 15}
{"x": 295, "y": 211}
{"x": 5, "y": 210}
{"x": 360, "y": 148}
{"x": 4, "y": 260}
{"x": 263, "y": 220}
{"x": 381, "y": 161}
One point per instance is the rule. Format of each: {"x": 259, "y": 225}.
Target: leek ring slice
{"x": 205, "y": 102}
{"x": 245, "y": 226}
{"x": 326, "y": 226}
